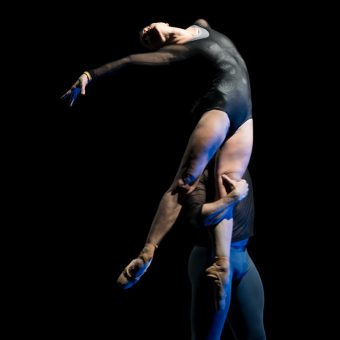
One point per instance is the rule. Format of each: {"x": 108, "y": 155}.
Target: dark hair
{"x": 143, "y": 38}
{"x": 147, "y": 39}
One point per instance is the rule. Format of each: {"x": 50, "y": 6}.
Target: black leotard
{"x": 229, "y": 88}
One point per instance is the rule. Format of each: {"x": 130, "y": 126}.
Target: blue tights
{"x": 245, "y": 297}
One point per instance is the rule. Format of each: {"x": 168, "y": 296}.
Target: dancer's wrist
{"x": 88, "y": 75}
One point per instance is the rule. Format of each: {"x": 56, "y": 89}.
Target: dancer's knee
{"x": 185, "y": 184}
{"x": 234, "y": 175}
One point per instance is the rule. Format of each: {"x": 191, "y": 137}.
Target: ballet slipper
{"x": 219, "y": 272}
{"x": 137, "y": 267}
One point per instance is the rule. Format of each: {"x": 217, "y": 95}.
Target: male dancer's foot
{"x": 219, "y": 272}
{"x": 137, "y": 267}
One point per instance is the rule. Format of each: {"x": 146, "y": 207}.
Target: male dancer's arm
{"x": 203, "y": 214}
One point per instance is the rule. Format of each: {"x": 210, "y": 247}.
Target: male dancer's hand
{"x": 236, "y": 190}
{"x": 214, "y": 212}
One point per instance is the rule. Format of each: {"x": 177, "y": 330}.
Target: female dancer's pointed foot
{"x": 136, "y": 268}
{"x": 219, "y": 272}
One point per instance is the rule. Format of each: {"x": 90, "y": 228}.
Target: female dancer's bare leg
{"x": 206, "y": 139}
{"x": 232, "y": 160}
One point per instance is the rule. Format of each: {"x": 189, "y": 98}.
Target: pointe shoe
{"x": 219, "y": 272}
{"x": 136, "y": 268}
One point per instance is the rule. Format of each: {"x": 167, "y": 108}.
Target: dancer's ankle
{"x": 150, "y": 245}
{"x": 221, "y": 260}
{"x": 149, "y": 249}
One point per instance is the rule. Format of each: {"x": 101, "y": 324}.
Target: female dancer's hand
{"x": 78, "y": 87}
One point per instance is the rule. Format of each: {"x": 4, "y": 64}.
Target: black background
{"x": 103, "y": 165}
